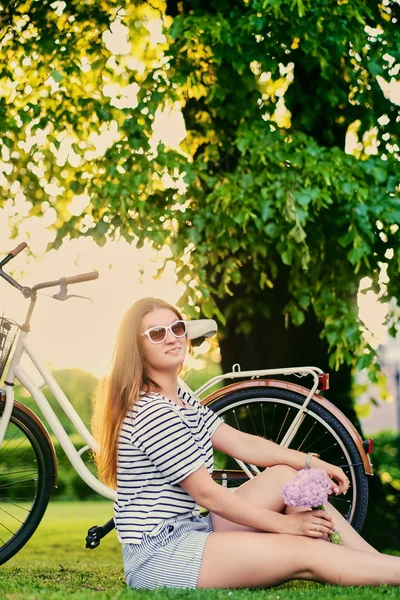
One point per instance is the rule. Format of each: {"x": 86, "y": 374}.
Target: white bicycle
{"x": 287, "y": 413}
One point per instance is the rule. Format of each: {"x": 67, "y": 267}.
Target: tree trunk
{"x": 275, "y": 342}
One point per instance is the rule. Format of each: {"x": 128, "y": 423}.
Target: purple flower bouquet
{"x": 310, "y": 488}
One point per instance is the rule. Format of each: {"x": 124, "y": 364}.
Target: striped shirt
{"x": 159, "y": 445}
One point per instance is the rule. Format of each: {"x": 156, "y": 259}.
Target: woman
{"x": 157, "y": 451}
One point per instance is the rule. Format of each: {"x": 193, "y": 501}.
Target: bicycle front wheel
{"x": 27, "y": 474}
{"x": 269, "y": 412}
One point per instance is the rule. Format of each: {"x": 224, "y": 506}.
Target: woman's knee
{"x": 266, "y": 488}
{"x": 282, "y": 473}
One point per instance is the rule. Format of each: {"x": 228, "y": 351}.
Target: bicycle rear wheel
{"x": 27, "y": 474}
{"x": 268, "y": 412}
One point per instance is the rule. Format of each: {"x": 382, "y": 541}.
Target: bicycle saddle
{"x": 199, "y": 329}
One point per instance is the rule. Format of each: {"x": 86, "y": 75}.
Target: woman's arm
{"x": 264, "y": 453}
{"x": 209, "y": 494}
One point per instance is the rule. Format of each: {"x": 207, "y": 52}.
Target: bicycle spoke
{"x": 271, "y": 412}
{"x": 252, "y": 422}
{"x": 26, "y": 468}
{"x": 19, "y": 458}
{"x": 23, "y": 471}
{"x": 272, "y": 423}
{"x": 5, "y": 527}
{"x": 18, "y": 499}
{"x": 10, "y": 515}
{"x": 4, "y": 445}
{"x": 263, "y": 420}
{"x": 20, "y": 488}
{"x": 283, "y": 424}
{"x": 338, "y": 499}
{"x": 2, "y": 499}
{"x": 299, "y": 448}
{"x": 18, "y": 481}
{"x": 236, "y": 419}
{"x": 327, "y": 448}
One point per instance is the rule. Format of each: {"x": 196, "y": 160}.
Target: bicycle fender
{"x": 39, "y": 423}
{"x": 303, "y": 391}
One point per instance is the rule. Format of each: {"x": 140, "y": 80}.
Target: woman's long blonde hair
{"x": 119, "y": 390}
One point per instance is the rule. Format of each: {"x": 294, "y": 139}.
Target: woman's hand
{"x": 312, "y": 523}
{"x": 339, "y": 481}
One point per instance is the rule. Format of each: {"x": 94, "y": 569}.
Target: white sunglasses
{"x": 159, "y": 333}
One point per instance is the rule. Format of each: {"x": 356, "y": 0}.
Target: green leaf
{"x": 236, "y": 277}
{"x": 347, "y": 238}
{"x": 233, "y": 244}
{"x": 271, "y": 230}
{"x": 207, "y": 309}
{"x": 303, "y": 300}
{"x": 56, "y": 75}
{"x": 365, "y": 361}
{"x": 374, "y": 68}
{"x": 356, "y": 254}
{"x": 191, "y": 311}
{"x": 97, "y": 64}
{"x": 286, "y": 257}
{"x": 298, "y": 234}
{"x": 363, "y": 410}
{"x": 303, "y": 199}
{"x": 78, "y": 187}
{"x": 249, "y": 180}
{"x": 380, "y": 174}
{"x": 298, "y": 317}
{"x": 348, "y": 188}
{"x": 221, "y": 318}
{"x": 267, "y": 210}
{"x": 242, "y": 145}
{"x": 332, "y": 337}
{"x": 7, "y": 142}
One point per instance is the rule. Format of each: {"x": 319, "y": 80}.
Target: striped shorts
{"x": 168, "y": 556}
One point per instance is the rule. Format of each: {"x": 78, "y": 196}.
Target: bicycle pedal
{"x": 96, "y": 532}
{"x": 93, "y": 537}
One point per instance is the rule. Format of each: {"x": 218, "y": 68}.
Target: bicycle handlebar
{"x": 67, "y": 280}
{"x": 26, "y": 291}
{"x": 82, "y": 277}
{"x": 18, "y": 249}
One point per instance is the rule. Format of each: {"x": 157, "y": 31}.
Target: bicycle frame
{"x": 16, "y": 371}
{"x": 237, "y": 373}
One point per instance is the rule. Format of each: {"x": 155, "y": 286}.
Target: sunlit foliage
{"x": 261, "y": 183}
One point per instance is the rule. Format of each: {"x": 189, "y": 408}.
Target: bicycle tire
{"x": 320, "y": 431}
{"x": 25, "y": 490}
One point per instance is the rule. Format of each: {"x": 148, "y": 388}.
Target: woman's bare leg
{"x": 250, "y": 559}
{"x": 266, "y": 490}
{"x": 350, "y": 537}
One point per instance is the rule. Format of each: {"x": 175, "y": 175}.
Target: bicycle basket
{"x": 8, "y": 331}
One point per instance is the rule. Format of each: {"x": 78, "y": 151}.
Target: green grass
{"x": 55, "y": 565}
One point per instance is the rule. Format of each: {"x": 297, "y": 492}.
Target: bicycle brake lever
{"x": 62, "y": 294}
{"x": 68, "y": 296}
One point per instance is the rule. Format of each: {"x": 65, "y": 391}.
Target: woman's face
{"x": 169, "y": 354}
